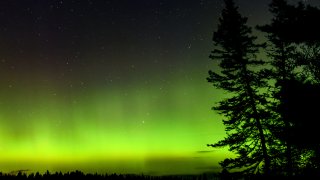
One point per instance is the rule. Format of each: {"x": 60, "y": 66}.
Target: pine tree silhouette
{"x": 294, "y": 45}
{"x": 245, "y": 114}
{"x": 283, "y": 63}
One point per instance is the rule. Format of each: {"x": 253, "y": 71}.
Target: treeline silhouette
{"x": 272, "y": 112}
{"x": 80, "y": 175}
{"x": 224, "y": 175}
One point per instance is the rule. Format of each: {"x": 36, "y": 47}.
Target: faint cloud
{"x": 153, "y": 173}
{"x": 197, "y": 157}
{"x": 203, "y": 152}
{"x": 211, "y": 168}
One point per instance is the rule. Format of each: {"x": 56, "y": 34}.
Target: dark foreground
{"x": 81, "y": 175}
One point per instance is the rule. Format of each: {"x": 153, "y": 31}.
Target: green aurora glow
{"x": 155, "y": 130}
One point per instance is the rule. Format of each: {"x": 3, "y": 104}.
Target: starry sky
{"x": 111, "y": 85}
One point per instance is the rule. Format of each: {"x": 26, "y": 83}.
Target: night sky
{"x": 111, "y": 86}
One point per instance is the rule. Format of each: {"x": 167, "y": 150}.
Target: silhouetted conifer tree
{"x": 294, "y": 44}
{"x": 283, "y": 62}
{"x": 246, "y": 118}
{"x": 305, "y": 94}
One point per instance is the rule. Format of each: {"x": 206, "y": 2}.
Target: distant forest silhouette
{"x": 224, "y": 175}
{"x": 22, "y": 174}
{"x": 272, "y": 113}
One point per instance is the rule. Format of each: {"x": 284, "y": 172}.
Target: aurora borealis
{"x": 110, "y": 86}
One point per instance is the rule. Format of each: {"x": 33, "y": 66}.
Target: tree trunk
{"x": 283, "y": 71}
{"x": 258, "y": 123}
{"x": 261, "y": 134}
